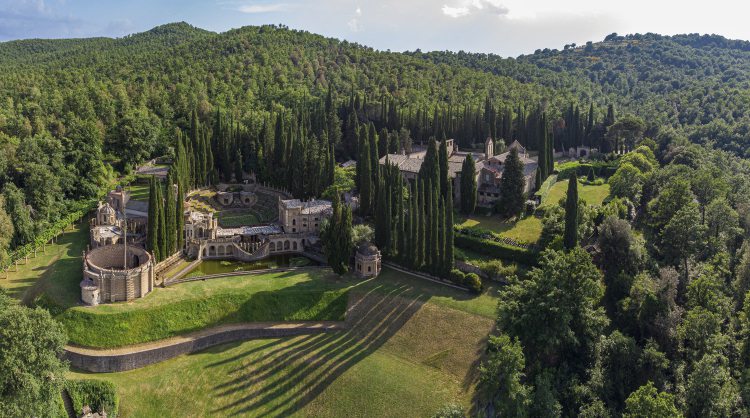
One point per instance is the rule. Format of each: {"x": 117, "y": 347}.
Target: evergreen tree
{"x": 468, "y": 186}
{"x": 152, "y": 241}
{"x": 180, "y": 219}
{"x": 570, "y": 239}
{"x": 171, "y": 216}
{"x": 337, "y": 237}
{"x": 512, "y": 186}
{"x": 421, "y": 225}
{"x": 449, "y": 250}
{"x": 443, "y": 160}
{"x": 434, "y": 219}
{"x": 161, "y": 236}
{"x": 365, "y": 177}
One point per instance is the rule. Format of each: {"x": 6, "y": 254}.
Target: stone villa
{"x": 489, "y": 168}
{"x": 113, "y": 271}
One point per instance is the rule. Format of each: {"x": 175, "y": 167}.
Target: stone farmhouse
{"x": 489, "y": 168}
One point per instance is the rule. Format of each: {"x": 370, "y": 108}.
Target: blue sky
{"x": 505, "y": 27}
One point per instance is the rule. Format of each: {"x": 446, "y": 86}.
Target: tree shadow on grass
{"x": 275, "y": 378}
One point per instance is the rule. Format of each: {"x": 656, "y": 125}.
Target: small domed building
{"x": 367, "y": 261}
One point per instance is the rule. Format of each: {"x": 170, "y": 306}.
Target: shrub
{"x": 100, "y": 395}
{"x": 474, "y": 283}
{"x": 450, "y": 411}
{"x": 458, "y": 277}
{"x": 496, "y": 249}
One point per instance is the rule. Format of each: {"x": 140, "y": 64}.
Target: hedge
{"x": 496, "y": 249}
{"x": 99, "y": 395}
{"x": 601, "y": 169}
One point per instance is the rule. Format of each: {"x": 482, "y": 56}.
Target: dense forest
{"x": 635, "y": 308}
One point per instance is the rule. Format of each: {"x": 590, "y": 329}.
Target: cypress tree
{"x": 238, "y": 168}
{"x": 365, "y": 177}
{"x": 180, "y": 219}
{"x": 435, "y": 226}
{"x": 388, "y": 221}
{"x": 439, "y": 267}
{"x": 443, "y": 162}
{"x": 570, "y": 239}
{"x": 428, "y": 218}
{"x": 374, "y": 156}
{"x": 153, "y": 217}
{"x": 337, "y": 237}
{"x": 171, "y": 216}
{"x": 468, "y": 186}
{"x": 449, "y": 256}
{"x": 161, "y": 237}
{"x": 512, "y": 185}
{"x": 412, "y": 248}
{"x": 380, "y": 225}
{"x": 421, "y": 230}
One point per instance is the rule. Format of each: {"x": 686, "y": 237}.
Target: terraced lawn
{"x": 527, "y": 230}
{"x": 593, "y": 195}
{"x": 315, "y": 294}
{"x": 412, "y": 348}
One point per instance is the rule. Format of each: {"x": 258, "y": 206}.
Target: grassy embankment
{"x": 413, "y": 347}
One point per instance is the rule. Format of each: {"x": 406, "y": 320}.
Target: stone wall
{"x": 106, "y": 361}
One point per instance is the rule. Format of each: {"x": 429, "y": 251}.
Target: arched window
{"x": 286, "y": 244}
{"x": 294, "y": 245}
{"x": 294, "y": 221}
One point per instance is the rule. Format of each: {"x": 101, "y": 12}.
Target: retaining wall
{"x": 123, "y": 359}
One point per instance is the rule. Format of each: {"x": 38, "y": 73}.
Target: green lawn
{"x": 167, "y": 312}
{"x": 593, "y": 195}
{"x": 406, "y": 355}
{"x": 527, "y": 230}
{"x": 138, "y": 192}
{"x": 231, "y": 219}
{"x": 54, "y": 274}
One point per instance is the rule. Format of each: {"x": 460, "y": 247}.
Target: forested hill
{"x": 698, "y": 84}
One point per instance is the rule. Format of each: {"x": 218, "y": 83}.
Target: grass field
{"x": 593, "y": 195}
{"x": 54, "y": 273}
{"x": 138, "y": 192}
{"x": 167, "y": 312}
{"x": 527, "y": 230}
{"x": 408, "y": 353}
{"x": 231, "y": 219}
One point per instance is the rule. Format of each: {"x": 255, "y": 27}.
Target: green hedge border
{"x": 496, "y": 249}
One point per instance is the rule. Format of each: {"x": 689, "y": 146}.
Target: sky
{"x": 504, "y": 27}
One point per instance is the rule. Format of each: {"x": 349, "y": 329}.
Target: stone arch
{"x": 286, "y": 245}
{"x": 272, "y": 246}
{"x": 294, "y": 245}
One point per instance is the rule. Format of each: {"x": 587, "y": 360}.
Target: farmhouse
{"x": 489, "y": 168}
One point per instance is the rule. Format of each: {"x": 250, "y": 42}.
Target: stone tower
{"x": 489, "y": 148}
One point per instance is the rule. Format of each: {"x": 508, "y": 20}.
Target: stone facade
{"x": 107, "y": 278}
{"x": 298, "y": 216}
{"x": 367, "y": 261}
{"x": 488, "y": 169}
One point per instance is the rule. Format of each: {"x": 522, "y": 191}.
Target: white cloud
{"x": 354, "y": 23}
{"x": 455, "y": 11}
{"x": 262, "y": 8}
{"x": 467, "y": 7}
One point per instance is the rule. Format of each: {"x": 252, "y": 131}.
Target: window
{"x": 294, "y": 221}
{"x": 317, "y": 219}
{"x": 294, "y": 229}
{"x": 369, "y": 269}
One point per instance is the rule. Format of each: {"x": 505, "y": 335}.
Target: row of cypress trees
{"x": 414, "y": 220}
{"x": 166, "y": 208}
